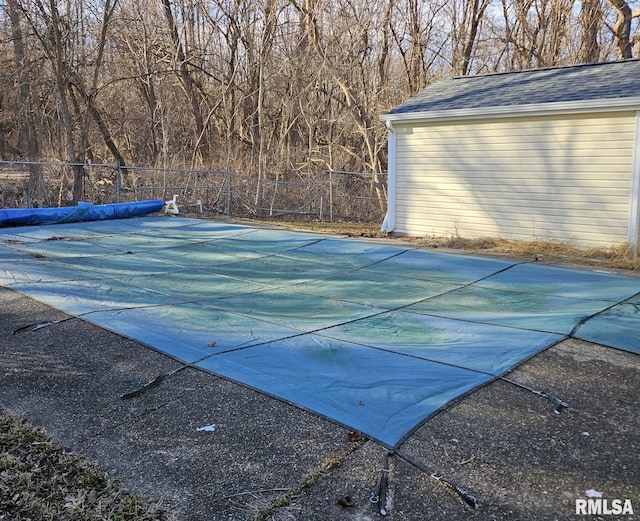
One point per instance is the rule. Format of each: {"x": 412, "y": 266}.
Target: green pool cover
{"x": 374, "y": 336}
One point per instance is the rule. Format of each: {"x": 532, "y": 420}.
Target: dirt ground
{"x": 262, "y": 458}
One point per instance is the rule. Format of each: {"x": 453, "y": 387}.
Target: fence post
{"x": 228, "y": 193}
{"x": 118, "y": 181}
{"x": 30, "y": 194}
{"x": 331, "y": 195}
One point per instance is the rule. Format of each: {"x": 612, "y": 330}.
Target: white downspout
{"x": 634, "y": 205}
{"x": 389, "y": 223}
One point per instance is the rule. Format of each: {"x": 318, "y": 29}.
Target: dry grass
{"x": 622, "y": 257}
{"x": 40, "y": 479}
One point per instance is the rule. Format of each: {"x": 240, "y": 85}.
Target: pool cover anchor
{"x": 40, "y": 325}
{"x": 160, "y": 378}
{"x": 378, "y": 496}
{"x": 560, "y": 405}
{"x": 464, "y": 494}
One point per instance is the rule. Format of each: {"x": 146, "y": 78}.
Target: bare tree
{"x": 75, "y": 56}
{"x": 183, "y": 71}
{"x": 590, "y": 21}
{"x": 539, "y": 32}
{"x": 465, "y": 27}
{"x": 284, "y": 88}
{"x": 88, "y": 95}
{"x": 29, "y": 132}
{"x": 622, "y": 27}
{"x": 417, "y": 30}
{"x": 54, "y": 44}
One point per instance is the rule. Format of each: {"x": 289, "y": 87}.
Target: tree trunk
{"x": 622, "y": 28}
{"x": 62, "y": 85}
{"x": 28, "y": 134}
{"x": 185, "y": 76}
{"x": 473, "y": 18}
{"x": 590, "y": 20}
{"x": 100, "y": 123}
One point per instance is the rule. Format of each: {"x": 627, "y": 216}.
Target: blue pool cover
{"x": 82, "y": 212}
{"x": 374, "y": 336}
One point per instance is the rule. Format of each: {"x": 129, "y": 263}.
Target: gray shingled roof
{"x": 612, "y": 80}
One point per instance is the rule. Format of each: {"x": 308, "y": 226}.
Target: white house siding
{"x": 558, "y": 178}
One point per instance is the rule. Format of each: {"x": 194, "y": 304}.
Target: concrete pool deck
{"x": 503, "y": 443}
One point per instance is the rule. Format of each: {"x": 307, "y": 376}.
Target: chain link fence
{"x": 329, "y": 196}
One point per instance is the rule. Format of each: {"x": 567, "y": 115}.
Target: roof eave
{"x": 537, "y": 109}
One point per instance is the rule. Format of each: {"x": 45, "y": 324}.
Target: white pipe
{"x": 171, "y": 207}
{"x": 389, "y": 223}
